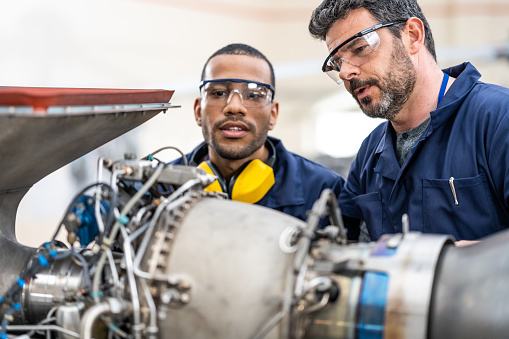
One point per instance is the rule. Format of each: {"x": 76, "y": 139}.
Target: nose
{"x": 348, "y": 70}
{"x": 230, "y": 98}
{"x": 235, "y": 103}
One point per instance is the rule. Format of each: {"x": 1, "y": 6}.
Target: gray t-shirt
{"x": 407, "y": 139}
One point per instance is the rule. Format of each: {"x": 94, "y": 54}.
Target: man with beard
{"x": 236, "y": 110}
{"x": 442, "y": 156}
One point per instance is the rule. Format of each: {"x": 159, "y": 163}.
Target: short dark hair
{"x": 241, "y": 49}
{"x": 329, "y": 11}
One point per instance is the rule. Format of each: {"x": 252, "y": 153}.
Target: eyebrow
{"x": 352, "y": 43}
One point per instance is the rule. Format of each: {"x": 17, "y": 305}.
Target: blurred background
{"x": 163, "y": 44}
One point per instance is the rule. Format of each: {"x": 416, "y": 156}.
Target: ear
{"x": 274, "y": 112}
{"x": 414, "y": 34}
{"x": 197, "y": 111}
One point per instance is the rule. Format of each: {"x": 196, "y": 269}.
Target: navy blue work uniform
{"x": 454, "y": 181}
{"x": 298, "y": 182}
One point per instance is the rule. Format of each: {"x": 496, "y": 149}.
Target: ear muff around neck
{"x": 251, "y": 181}
{"x": 249, "y": 184}
{"x": 218, "y": 185}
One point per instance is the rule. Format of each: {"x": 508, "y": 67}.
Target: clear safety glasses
{"x": 219, "y": 92}
{"x": 355, "y": 50}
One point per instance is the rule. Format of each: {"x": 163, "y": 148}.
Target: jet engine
{"x": 151, "y": 254}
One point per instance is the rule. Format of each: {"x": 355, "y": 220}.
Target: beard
{"x": 395, "y": 87}
{"x": 237, "y": 149}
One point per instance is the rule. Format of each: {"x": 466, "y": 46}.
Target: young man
{"x": 443, "y": 155}
{"x": 236, "y": 110}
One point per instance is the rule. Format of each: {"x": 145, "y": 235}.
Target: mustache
{"x": 218, "y": 124}
{"x": 356, "y": 83}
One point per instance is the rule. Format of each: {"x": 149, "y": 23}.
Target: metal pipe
{"x": 132, "y": 284}
{"x": 170, "y": 203}
{"x": 98, "y": 195}
{"x": 41, "y": 328}
{"x": 111, "y": 306}
{"x": 152, "y": 329}
{"x": 130, "y": 204}
{"x": 90, "y": 317}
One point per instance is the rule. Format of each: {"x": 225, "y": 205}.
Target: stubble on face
{"x": 235, "y": 149}
{"x": 395, "y": 87}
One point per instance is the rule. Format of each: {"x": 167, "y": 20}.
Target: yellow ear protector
{"x": 251, "y": 181}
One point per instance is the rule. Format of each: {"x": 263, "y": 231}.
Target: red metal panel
{"x": 40, "y": 98}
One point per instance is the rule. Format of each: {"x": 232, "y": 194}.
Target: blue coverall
{"x": 455, "y": 179}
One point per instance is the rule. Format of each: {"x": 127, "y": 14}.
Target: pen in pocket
{"x": 451, "y": 183}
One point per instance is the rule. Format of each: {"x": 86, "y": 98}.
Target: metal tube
{"x": 132, "y": 284}
{"x": 111, "y": 306}
{"x": 170, "y": 203}
{"x": 130, "y": 204}
{"x": 42, "y": 328}
{"x": 152, "y": 329}
{"x": 90, "y": 317}
{"x": 97, "y": 205}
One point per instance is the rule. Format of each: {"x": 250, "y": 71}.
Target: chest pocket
{"x": 474, "y": 215}
{"x": 371, "y": 207}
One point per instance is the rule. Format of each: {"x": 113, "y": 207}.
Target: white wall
{"x": 164, "y": 44}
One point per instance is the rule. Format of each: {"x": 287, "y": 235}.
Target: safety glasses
{"x": 219, "y": 92}
{"x": 355, "y": 50}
